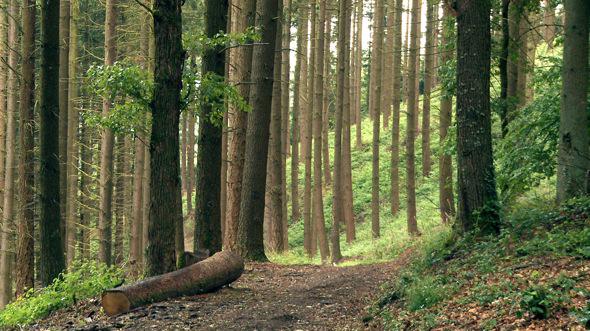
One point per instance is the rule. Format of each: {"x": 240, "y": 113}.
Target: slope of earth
{"x": 266, "y": 297}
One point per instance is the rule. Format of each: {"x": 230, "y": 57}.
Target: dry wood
{"x": 221, "y": 269}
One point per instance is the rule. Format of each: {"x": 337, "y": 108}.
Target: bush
{"x": 85, "y": 280}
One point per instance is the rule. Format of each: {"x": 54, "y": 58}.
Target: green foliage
{"x": 199, "y": 43}
{"x": 541, "y": 300}
{"x": 216, "y": 92}
{"x": 84, "y": 280}
{"x": 130, "y": 88}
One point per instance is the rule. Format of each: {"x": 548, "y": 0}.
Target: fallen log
{"x": 210, "y": 274}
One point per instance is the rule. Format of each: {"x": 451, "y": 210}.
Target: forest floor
{"x": 266, "y": 297}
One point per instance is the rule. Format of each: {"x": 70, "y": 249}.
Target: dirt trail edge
{"x": 266, "y": 297}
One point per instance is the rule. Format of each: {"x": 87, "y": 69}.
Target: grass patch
{"x": 86, "y": 280}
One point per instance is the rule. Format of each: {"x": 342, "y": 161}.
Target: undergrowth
{"x": 84, "y": 280}
{"x": 518, "y": 272}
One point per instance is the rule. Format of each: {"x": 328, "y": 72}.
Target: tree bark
{"x": 208, "y": 275}
{"x": 478, "y": 201}
{"x": 166, "y": 201}
{"x": 318, "y": 201}
{"x": 446, "y": 195}
{"x": 375, "y": 101}
{"x": 395, "y": 128}
{"x": 107, "y": 142}
{"x": 274, "y": 202}
{"x": 7, "y": 235}
{"x": 387, "y": 77}
{"x": 25, "y": 252}
{"x": 347, "y": 204}
{"x": 549, "y": 22}
{"x": 51, "y": 252}
{"x": 308, "y": 227}
{"x": 338, "y": 192}
{"x": 250, "y": 243}
{"x": 3, "y": 94}
{"x": 358, "y": 72}
{"x": 413, "y": 59}
{"x": 64, "y": 62}
{"x": 327, "y": 55}
{"x": 573, "y": 157}
{"x": 429, "y": 73}
{"x": 207, "y": 208}
{"x": 243, "y": 16}
{"x": 299, "y": 105}
{"x": 285, "y": 106}
{"x": 72, "y": 138}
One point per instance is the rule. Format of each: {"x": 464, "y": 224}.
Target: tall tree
{"x": 250, "y": 225}
{"x": 207, "y": 208}
{"x": 299, "y": 104}
{"x": 375, "y": 102}
{"x": 413, "y": 59}
{"x": 25, "y": 253}
{"x": 165, "y": 195}
{"x": 51, "y": 252}
{"x": 342, "y": 61}
{"x": 358, "y": 60}
{"x": 549, "y": 22}
{"x": 327, "y": 56}
{"x": 285, "y": 107}
{"x": 274, "y": 198}
{"x": 3, "y": 92}
{"x": 105, "y": 214}
{"x": 7, "y": 240}
{"x": 318, "y": 201}
{"x": 64, "y": 52}
{"x": 346, "y": 187}
{"x": 397, "y": 92}
{"x": 477, "y": 185}
{"x": 446, "y": 196}
{"x": 72, "y": 139}
{"x": 573, "y": 174}
{"x": 308, "y": 228}
{"x": 387, "y": 77}
{"x": 429, "y": 74}
{"x": 243, "y": 17}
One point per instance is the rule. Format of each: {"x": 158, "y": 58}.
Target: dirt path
{"x": 266, "y": 297}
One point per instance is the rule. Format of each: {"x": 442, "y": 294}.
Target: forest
{"x": 295, "y": 164}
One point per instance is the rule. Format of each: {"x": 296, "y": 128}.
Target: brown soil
{"x": 266, "y": 297}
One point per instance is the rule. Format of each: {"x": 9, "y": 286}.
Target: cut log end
{"x": 115, "y": 302}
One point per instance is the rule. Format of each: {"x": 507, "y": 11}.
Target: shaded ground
{"x": 266, "y": 297}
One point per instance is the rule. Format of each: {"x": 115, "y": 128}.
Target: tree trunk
{"x": 165, "y": 202}
{"x": 504, "y": 119}
{"x": 250, "y": 244}
{"x": 573, "y": 157}
{"x": 25, "y": 253}
{"x": 299, "y": 105}
{"x": 7, "y": 235}
{"x": 549, "y": 22}
{"x": 211, "y": 274}
{"x": 327, "y": 55}
{"x": 308, "y": 228}
{"x": 207, "y": 208}
{"x": 338, "y": 192}
{"x": 64, "y": 52}
{"x": 87, "y": 180}
{"x": 52, "y": 254}
{"x": 285, "y": 106}
{"x": 119, "y": 200}
{"x": 243, "y": 17}
{"x": 429, "y": 73}
{"x": 395, "y": 128}
{"x": 446, "y": 196}
{"x": 3, "y": 92}
{"x": 72, "y": 138}
{"x": 358, "y": 73}
{"x": 413, "y": 59}
{"x": 106, "y": 153}
{"x": 377, "y": 75}
{"x": 478, "y": 201}
{"x": 274, "y": 202}
{"x": 387, "y": 77}
{"x": 346, "y": 187}
{"x": 318, "y": 201}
